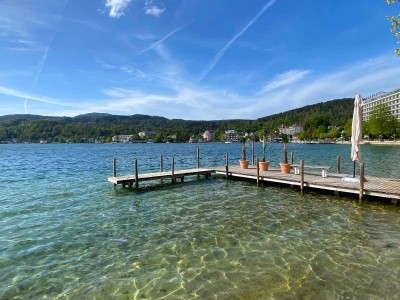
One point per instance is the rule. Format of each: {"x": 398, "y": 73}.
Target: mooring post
{"x": 252, "y": 152}
{"x": 198, "y": 158}
{"x": 226, "y": 165}
{"x": 136, "y": 175}
{"x": 173, "y": 170}
{"x": 291, "y": 158}
{"x": 301, "y": 176}
{"x": 338, "y": 164}
{"x": 161, "y": 164}
{"x": 361, "y": 182}
{"x": 115, "y": 169}
{"x": 258, "y": 173}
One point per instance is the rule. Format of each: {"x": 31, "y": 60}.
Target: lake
{"x": 65, "y": 232}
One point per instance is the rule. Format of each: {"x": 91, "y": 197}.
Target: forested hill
{"x": 336, "y": 111}
{"x": 100, "y": 126}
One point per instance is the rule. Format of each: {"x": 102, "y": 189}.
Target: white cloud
{"x": 23, "y": 95}
{"x": 175, "y": 96}
{"x": 151, "y": 9}
{"x": 21, "y": 22}
{"x": 286, "y": 78}
{"x": 117, "y": 7}
{"x": 127, "y": 69}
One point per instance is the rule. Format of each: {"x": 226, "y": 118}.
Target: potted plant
{"x": 263, "y": 165}
{"x": 244, "y": 163}
{"x": 285, "y": 166}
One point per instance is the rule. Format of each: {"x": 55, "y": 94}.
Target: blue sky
{"x": 191, "y": 59}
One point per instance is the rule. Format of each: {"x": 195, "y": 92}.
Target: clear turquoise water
{"x": 66, "y": 233}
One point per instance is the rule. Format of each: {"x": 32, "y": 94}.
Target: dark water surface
{"x": 67, "y": 233}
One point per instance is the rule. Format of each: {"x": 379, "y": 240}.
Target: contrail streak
{"x": 163, "y": 39}
{"x": 42, "y": 61}
{"x": 221, "y": 52}
{"x": 44, "y": 57}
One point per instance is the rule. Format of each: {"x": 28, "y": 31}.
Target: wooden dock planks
{"x": 373, "y": 186}
{"x": 129, "y": 179}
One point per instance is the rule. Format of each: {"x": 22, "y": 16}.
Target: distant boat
{"x": 227, "y": 142}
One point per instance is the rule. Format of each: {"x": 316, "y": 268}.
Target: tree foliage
{"x": 32, "y": 128}
{"x": 381, "y": 123}
{"x": 395, "y": 25}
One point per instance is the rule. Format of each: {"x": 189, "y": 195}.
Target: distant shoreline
{"x": 375, "y": 143}
{"x": 372, "y": 143}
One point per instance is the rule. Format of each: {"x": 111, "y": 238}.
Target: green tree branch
{"x": 395, "y": 25}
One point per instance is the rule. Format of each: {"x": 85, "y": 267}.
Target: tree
{"x": 347, "y": 127}
{"x": 316, "y": 125}
{"x": 395, "y": 25}
{"x": 382, "y": 122}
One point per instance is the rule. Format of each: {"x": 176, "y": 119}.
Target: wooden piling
{"x": 115, "y": 169}
{"x": 252, "y": 152}
{"x": 338, "y": 164}
{"x": 173, "y": 170}
{"x": 161, "y": 164}
{"x": 258, "y": 173}
{"x": 291, "y": 158}
{"x": 198, "y": 158}
{"x": 226, "y": 165}
{"x": 361, "y": 182}
{"x": 302, "y": 175}
{"x": 136, "y": 175}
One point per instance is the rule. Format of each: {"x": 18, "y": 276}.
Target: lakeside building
{"x": 125, "y": 138}
{"x": 232, "y": 136}
{"x": 291, "y": 130}
{"x": 392, "y": 99}
{"x": 208, "y": 136}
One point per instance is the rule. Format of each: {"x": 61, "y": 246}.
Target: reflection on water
{"x": 61, "y": 236}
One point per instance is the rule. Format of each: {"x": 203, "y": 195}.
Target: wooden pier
{"x": 131, "y": 180}
{"x": 371, "y": 186}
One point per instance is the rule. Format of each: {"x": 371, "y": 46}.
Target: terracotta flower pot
{"x": 263, "y": 165}
{"x": 244, "y": 164}
{"x": 285, "y": 168}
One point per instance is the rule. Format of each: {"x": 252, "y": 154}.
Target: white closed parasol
{"x": 356, "y": 133}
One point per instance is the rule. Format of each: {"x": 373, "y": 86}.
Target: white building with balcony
{"x": 392, "y": 99}
{"x": 208, "y": 136}
{"x": 232, "y": 136}
{"x": 291, "y": 130}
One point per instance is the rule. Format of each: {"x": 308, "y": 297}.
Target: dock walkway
{"x": 131, "y": 180}
{"x": 373, "y": 186}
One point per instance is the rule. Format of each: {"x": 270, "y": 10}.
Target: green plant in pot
{"x": 244, "y": 163}
{"x": 263, "y": 164}
{"x": 285, "y": 166}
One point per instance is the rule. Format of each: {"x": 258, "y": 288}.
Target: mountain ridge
{"x": 102, "y": 126}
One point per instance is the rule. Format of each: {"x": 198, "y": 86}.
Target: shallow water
{"x": 66, "y": 233}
